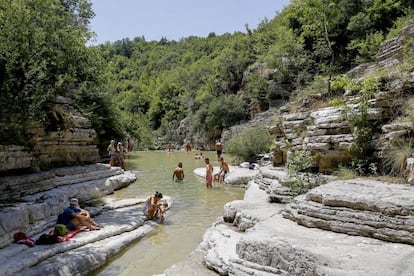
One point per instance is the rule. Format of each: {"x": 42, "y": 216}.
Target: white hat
{"x": 74, "y": 201}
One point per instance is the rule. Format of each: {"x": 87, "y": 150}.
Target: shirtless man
{"x": 209, "y": 174}
{"x": 178, "y": 173}
{"x": 224, "y": 170}
{"x": 219, "y": 149}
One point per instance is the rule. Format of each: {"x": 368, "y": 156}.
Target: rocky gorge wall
{"x": 312, "y": 123}
{"x": 70, "y": 141}
{"x": 351, "y": 227}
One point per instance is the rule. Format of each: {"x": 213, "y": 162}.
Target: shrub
{"x": 344, "y": 173}
{"x": 395, "y": 158}
{"x": 299, "y": 166}
{"x": 248, "y": 143}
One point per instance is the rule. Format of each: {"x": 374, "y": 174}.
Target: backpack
{"x": 60, "y": 230}
{"x": 60, "y": 219}
{"x": 47, "y": 239}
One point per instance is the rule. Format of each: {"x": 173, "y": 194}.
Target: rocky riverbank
{"x": 36, "y": 213}
{"x": 353, "y": 227}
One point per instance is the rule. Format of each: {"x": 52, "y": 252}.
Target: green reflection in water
{"x": 194, "y": 209}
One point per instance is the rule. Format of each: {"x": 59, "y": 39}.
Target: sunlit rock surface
{"x": 257, "y": 237}
{"x": 123, "y": 222}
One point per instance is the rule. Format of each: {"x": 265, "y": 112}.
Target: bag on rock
{"x": 60, "y": 230}
{"x": 47, "y": 239}
{"x": 19, "y": 236}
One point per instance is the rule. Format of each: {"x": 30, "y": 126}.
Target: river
{"x": 194, "y": 209}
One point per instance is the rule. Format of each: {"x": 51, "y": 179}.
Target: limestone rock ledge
{"x": 85, "y": 252}
{"x": 254, "y": 238}
{"x": 122, "y": 220}
{"x": 358, "y": 207}
{"x": 238, "y": 177}
{"x": 47, "y": 193}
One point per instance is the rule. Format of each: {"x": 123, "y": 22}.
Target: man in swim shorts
{"x": 209, "y": 174}
{"x": 224, "y": 170}
{"x": 219, "y": 149}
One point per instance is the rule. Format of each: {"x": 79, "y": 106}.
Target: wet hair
{"x": 157, "y": 194}
{"x": 180, "y": 165}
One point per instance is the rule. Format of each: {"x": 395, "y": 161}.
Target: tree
{"x": 43, "y": 54}
{"x": 318, "y": 18}
{"x": 224, "y": 112}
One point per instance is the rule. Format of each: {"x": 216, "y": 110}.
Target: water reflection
{"x": 159, "y": 236}
{"x": 194, "y": 209}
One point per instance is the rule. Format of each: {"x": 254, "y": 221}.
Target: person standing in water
{"x": 111, "y": 152}
{"x": 209, "y": 174}
{"x": 219, "y": 149}
{"x": 178, "y": 173}
{"x": 187, "y": 147}
{"x": 224, "y": 170}
{"x": 129, "y": 145}
{"x": 170, "y": 146}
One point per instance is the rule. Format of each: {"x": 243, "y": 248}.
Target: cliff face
{"x": 352, "y": 227}
{"x": 312, "y": 123}
{"x": 69, "y": 140}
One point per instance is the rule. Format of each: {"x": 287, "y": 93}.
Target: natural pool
{"x": 194, "y": 209}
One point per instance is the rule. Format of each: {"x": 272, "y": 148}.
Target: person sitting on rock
{"x": 73, "y": 217}
{"x": 224, "y": 170}
{"x": 154, "y": 209}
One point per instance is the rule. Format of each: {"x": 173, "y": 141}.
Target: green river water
{"x": 194, "y": 209}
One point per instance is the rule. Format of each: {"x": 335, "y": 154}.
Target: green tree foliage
{"x": 247, "y": 144}
{"x": 359, "y": 117}
{"x": 225, "y": 111}
{"x": 139, "y": 88}
{"x": 43, "y": 54}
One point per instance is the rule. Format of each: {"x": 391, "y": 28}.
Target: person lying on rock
{"x": 154, "y": 209}
{"x": 73, "y": 217}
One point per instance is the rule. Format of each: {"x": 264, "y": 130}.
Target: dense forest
{"x": 141, "y": 89}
